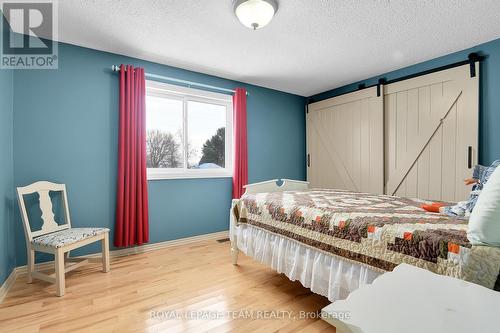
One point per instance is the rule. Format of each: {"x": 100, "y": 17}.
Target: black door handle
{"x": 469, "y": 157}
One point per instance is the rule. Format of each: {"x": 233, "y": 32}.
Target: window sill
{"x": 188, "y": 175}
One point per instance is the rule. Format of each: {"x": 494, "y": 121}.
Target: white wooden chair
{"x": 57, "y": 239}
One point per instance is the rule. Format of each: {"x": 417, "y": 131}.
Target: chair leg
{"x": 31, "y": 265}
{"x": 105, "y": 253}
{"x": 60, "y": 278}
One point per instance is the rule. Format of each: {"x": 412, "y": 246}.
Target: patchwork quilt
{"x": 376, "y": 230}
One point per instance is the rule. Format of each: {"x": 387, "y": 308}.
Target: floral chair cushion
{"x": 69, "y": 236}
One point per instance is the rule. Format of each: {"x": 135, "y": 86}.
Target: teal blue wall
{"x": 66, "y": 131}
{"x": 7, "y": 250}
{"x": 489, "y": 131}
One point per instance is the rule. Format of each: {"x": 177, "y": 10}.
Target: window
{"x": 188, "y": 132}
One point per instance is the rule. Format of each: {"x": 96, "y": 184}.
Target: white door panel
{"x": 430, "y": 123}
{"x": 345, "y": 142}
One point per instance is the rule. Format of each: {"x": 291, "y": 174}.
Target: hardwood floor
{"x": 158, "y": 291}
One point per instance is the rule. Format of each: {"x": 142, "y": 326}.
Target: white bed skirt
{"x": 324, "y": 274}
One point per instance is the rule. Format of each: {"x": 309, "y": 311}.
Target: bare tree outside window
{"x": 192, "y": 152}
{"x": 163, "y": 150}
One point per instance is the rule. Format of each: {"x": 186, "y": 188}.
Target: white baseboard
{"x": 21, "y": 270}
{"x": 161, "y": 245}
{"x": 9, "y": 282}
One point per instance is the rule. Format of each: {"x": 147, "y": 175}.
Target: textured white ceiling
{"x": 311, "y": 45}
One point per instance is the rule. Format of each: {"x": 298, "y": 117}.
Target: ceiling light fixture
{"x": 255, "y": 14}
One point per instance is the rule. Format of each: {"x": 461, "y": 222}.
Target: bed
{"x": 335, "y": 241}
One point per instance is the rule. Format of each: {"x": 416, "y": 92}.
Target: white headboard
{"x": 272, "y": 186}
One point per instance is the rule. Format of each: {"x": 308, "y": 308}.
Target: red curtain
{"x": 240, "y": 174}
{"x": 132, "y": 192}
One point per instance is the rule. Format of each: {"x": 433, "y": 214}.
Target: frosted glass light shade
{"x": 255, "y": 14}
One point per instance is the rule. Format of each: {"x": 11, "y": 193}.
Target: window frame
{"x": 185, "y": 94}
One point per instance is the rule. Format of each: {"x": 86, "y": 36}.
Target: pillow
{"x": 484, "y": 221}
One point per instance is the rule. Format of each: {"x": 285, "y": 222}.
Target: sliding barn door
{"x": 345, "y": 142}
{"x": 431, "y": 134}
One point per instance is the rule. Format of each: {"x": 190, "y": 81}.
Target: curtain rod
{"x": 471, "y": 61}
{"x": 190, "y": 84}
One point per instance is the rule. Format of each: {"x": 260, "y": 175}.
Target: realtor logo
{"x": 28, "y": 33}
